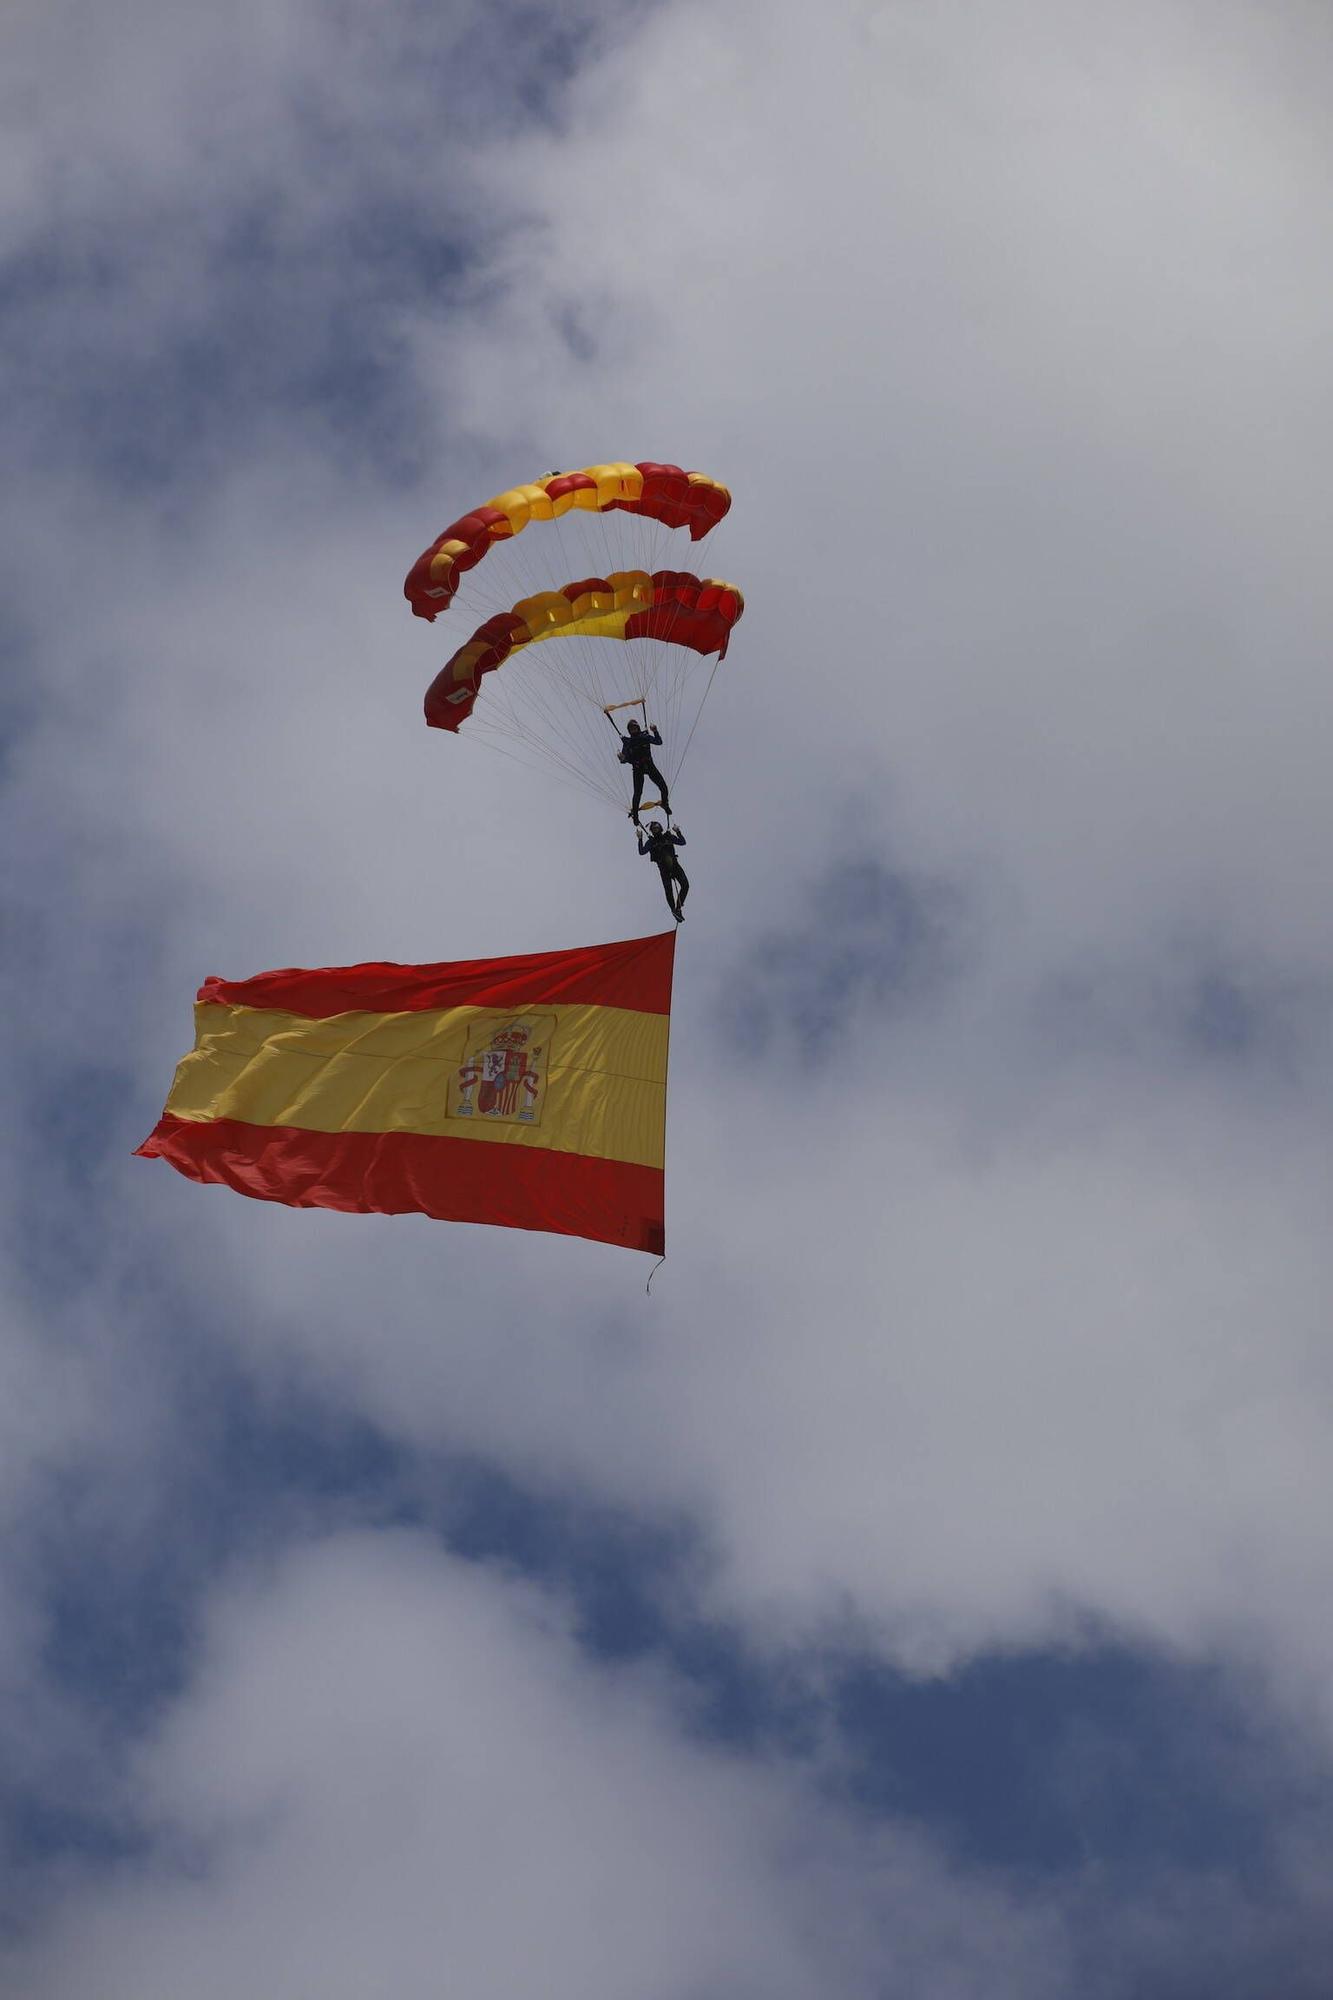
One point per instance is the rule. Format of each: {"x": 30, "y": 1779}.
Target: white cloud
{"x": 1034, "y": 1308}
{"x": 395, "y": 1772}
{"x": 1008, "y": 332}
{"x": 1008, "y": 337}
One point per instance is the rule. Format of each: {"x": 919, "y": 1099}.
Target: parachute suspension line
{"x": 664, "y": 687}
{"x": 695, "y": 724}
{"x": 541, "y": 702}
{"x": 547, "y": 734}
{"x": 556, "y": 723}
{"x": 548, "y": 698}
{"x": 599, "y": 666}
{"x": 702, "y": 547}
{"x": 674, "y": 694}
{"x": 603, "y": 553}
{"x": 654, "y": 545}
{"x": 636, "y": 539}
{"x": 544, "y": 764}
{"x": 653, "y": 1273}
{"x": 523, "y": 702}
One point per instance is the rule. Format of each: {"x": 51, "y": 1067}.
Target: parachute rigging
{"x": 613, "y": 528}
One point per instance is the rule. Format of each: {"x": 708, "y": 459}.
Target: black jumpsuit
{"x": 636, "y": 750}
{"x": 661, "y": 848}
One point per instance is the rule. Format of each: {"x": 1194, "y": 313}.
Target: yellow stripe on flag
{"x": 570, "y": 1078}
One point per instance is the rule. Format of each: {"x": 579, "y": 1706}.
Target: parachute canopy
{"x": 616, "y": 529}
{"x": 662, "y": 493}
{"x": 670, "y": 605}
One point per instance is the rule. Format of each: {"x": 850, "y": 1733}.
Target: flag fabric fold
{"x": 528, "y": 1092}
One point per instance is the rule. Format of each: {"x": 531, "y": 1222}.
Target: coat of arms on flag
{"x": 504, "y": 1069}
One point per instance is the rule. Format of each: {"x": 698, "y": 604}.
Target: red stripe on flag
{"x": 398, "y": 1173}
{"x": 635, "y": 974}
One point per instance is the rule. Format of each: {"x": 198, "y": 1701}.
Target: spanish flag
{"x": 528, "y": 1092}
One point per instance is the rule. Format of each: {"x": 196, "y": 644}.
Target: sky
{"x": 925, "y": 1593}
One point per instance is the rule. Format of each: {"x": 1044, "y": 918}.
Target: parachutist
{"x": 636, "y": 750}
{"x": 660, "y": 846}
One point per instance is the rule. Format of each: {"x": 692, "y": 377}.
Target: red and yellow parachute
{"x": 671, "y": 605}
{"x": 661, "y": 493}
{"x": 614, "y": 527}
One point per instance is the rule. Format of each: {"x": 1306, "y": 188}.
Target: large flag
{"x": 529, "y": 1092}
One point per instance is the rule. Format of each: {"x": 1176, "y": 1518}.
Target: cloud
{"x": 995, "y": 1308}
{"x": 1024, "y": 525}
{"x": 395, "y": 1770}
